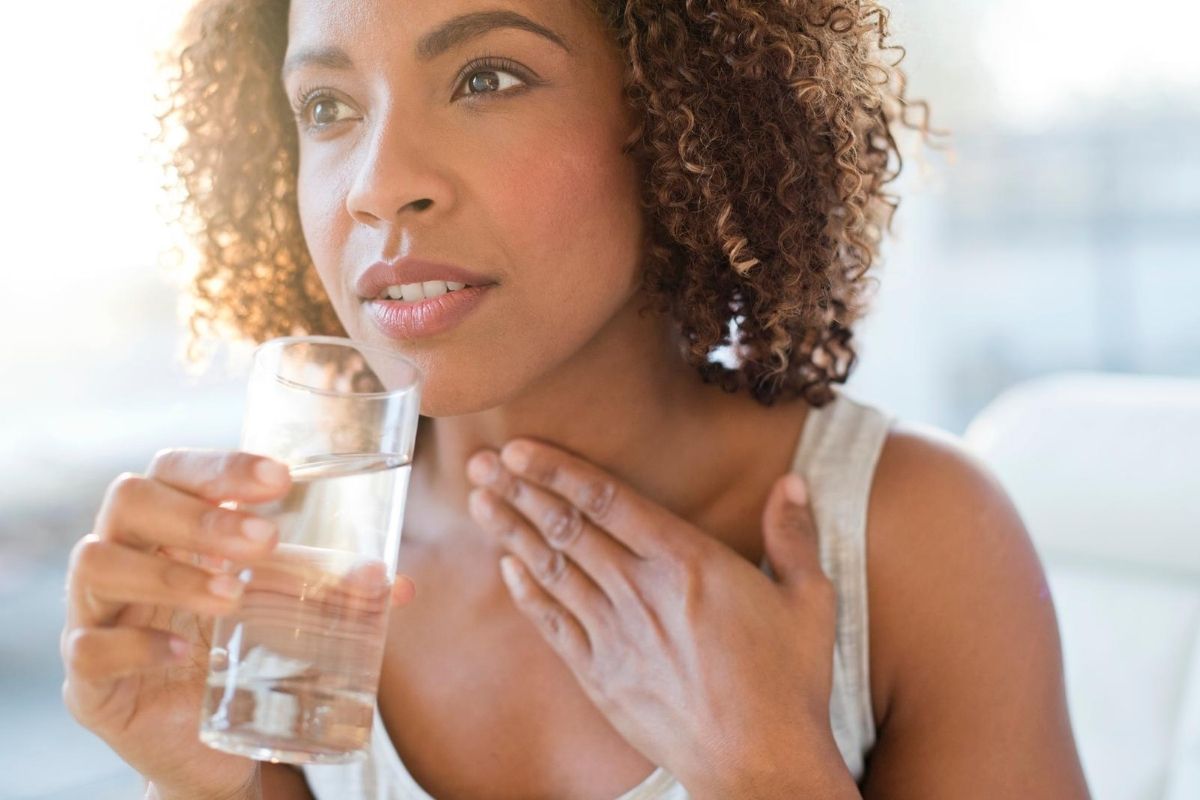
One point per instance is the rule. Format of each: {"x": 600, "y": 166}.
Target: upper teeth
{"x": 420, "y": 291}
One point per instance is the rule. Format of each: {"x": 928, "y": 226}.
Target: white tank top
{"x": 837, "y": 454}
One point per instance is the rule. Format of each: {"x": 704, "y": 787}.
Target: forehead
{"x": 387, "y": 23}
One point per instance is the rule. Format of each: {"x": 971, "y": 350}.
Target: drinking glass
{"x": 294, "y": 672}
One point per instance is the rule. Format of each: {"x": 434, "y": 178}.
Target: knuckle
{"x": 543, "y": 470}
{"x": 563, "y": 525}
{"x": 87, "y": 555}
{"x": 597, "y": 498}
{"x": 552, "y": 619}
{"x": 126, "y": 488}
{"x": 551, "y": 567}
{"x": 175, "y": 576}
{"x": 238, "y": 464}
{"x": 685, "y": 575}
{"x": 510, "y": 489}
{"x": 166, "y": 460}
{"x": 212, "y": 522}
{"x": 79, "y": 652}
{"x": 683, "y": 563}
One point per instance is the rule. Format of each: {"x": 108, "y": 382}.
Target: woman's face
{"x": 410, "y": 147}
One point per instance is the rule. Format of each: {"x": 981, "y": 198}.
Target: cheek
{"x": 570, "y": 226}
{"x": 575, "y": 221}
{"x": 326, "y": 227}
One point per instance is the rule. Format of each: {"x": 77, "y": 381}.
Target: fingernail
{"x": 225, "y": 586}
{"x": 516, "y": 454}
{"x": 257, "y": 529}
{"x": 271, "y": 473}
{"x": 794, "y": 488}
{"x": 179, "y": 647}
{"x": 508, "y": 569}
{"x": 484, "y": 467}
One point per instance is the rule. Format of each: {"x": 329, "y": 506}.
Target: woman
{"x": 589, "y": 193}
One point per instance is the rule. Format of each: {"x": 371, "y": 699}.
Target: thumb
{"x": 790, "y": 532}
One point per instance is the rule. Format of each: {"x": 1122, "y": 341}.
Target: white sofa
{"x": 1105, "y": 470}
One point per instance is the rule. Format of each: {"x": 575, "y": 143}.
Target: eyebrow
{"x": 449, "y": 34}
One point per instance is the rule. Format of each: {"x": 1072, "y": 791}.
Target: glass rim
{"x": 281, "y": 342}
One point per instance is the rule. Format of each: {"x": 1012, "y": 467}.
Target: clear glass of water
{"x": 293, "y": 674}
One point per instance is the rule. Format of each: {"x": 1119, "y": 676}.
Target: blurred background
{"x": 1056, "y": 247}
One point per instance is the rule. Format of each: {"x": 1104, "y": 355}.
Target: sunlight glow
{"x": 1043, "y": 55}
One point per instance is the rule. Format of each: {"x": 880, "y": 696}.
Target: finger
{"x": 270, "y": 584}
{"x": 552, "y": 570}
{"x": 609, "y": 563}
{"x": 105, "y": 577}
{"x": 790, "y": 535}
{"x": 146, "y": 514}
{"x": 557, "y": 625}
{"x": 647, "y": 529}
{"x": 404, "y": 591}
{"x": 310, "y": 583}
{"x": 217, "y": 475}
{"x": 313, "y": 574}
{"x": 96, "y": 658}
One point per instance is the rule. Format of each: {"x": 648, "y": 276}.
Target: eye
{"x": 325, "y": 111}
{"x": 492, "y": 76}
{"x": 490, "y": 80}
{"x": 316, "y": 109}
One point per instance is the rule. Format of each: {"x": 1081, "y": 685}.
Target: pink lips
{"x": 382, "y": 274}
{"x": 410, "y": 320}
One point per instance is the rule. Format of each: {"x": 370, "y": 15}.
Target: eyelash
{"x": 306, "y": 96}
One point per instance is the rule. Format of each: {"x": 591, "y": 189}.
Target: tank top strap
{"x": 837, "y": 455}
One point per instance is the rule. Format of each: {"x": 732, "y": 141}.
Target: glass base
{"x": 263, "y": 748}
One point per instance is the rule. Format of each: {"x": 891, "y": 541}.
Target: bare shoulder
{"x": 965, "y": 656}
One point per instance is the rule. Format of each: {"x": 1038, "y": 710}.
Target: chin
{"x": 451, "y": 399}
{"x": 451, "y": 388}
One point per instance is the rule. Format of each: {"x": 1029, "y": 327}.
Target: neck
{"x": 639, "y": 412}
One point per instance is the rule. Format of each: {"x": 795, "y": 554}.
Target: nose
{"x": 397, "y": 179}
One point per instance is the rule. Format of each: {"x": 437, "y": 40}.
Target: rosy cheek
{"x": 573, "y": 205}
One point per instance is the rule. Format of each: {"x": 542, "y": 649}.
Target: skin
{"x": 529, "y": 187}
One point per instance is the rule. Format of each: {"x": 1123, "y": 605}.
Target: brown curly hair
{"x": 765, "y": 145}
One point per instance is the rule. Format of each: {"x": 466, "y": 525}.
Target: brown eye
{"x": 484, "y": 82}
{"x": 491, "y": 81}
{"x": 324, "y": 112}
{"x": 318, "y": 110}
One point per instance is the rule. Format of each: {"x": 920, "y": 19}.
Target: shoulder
{"x": 944, "y": 543}
{"x": 963, "y": 633}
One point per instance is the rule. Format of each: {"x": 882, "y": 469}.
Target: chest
{"x": 478, "y": 706}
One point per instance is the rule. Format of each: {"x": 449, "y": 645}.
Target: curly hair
{"x": 765, "y": 145}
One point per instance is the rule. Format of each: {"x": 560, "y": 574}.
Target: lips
{"x": 382, "y": 274}
{"x": 399, "y": 319}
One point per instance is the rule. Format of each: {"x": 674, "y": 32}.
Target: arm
{"x": 966, "y": 661}
{"x": 283, "y": 782}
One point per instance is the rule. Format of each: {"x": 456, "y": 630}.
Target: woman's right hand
{"x": 134, "y": 588}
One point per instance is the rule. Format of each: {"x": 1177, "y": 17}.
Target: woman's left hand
{"x": 698, "y": 659}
